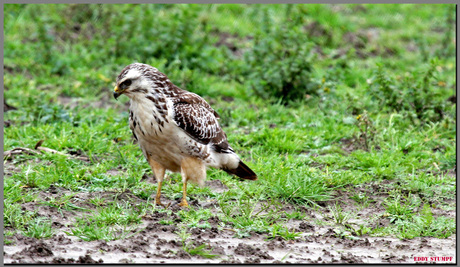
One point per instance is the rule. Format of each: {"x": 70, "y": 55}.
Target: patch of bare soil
{"x": 153, "y": 242}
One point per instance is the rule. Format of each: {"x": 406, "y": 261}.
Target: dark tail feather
{"x": 243, "y": 171}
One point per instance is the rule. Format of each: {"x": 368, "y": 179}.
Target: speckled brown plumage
{"x": 177, "y": 130}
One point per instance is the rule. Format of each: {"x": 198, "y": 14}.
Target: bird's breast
{"x": 150, "y": 119}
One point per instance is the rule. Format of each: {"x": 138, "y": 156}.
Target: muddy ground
{"x": 152, "y": 242}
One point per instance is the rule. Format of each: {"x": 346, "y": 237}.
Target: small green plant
{"x": 283, "y": 232}
{"x": 201, "y": 251}
{"x": 339, "y": 215}
{"x": 297, "y": 215}
{"x": 14, "y": 216}
{"x": 97, "y": 201}
{"x": 166, "y": 222}
{"x": 362, "y": 230}
{"x": 361, "y": 198}
{"x": 399, "y": 208}
{"x": 367, "y": 130}
{"x": 300, "y": 187}
{"x": 63, "y": 203}
{"x": 90, "y": 231}
{"x": 196, "y": 218}
{"x": 447, "y": 48}
{"x": 7, "y": 237}
{"x": 117, "y": 214}
{"x": 245, "y": 216}
{"x": 39, "y": 228}
{"x": 342, "y": 233}
{"x": 188, "y": 246}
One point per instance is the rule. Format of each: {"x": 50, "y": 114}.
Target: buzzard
{"x": 176, "y": 130}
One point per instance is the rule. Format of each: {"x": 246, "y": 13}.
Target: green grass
{"x": 376, "y": 114}
{"x": 39, "y": 228}
{"x": 189, "y": 247}
{"x": 283, "y": 232}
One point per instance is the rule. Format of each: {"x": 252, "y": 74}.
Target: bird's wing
{"x": 195, "y": 116}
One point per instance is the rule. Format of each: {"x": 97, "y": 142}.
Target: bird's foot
{"x": 158, "y": 202}
{"x": 184, "y": 203}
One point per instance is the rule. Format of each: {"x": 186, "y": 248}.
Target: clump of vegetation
{"x": 189, "y": 247}
{"x": 416, "y": 95}
{"x": 367, "y": 131}
{"x": 279, "y": 67}
{"x": 407, "y": 223}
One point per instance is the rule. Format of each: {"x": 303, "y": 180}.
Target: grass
{"x": 283, "y": 232}
{"x": 189, "y": 247}
{"x": 39, "y": 228}
{"x": 375, "y": 126}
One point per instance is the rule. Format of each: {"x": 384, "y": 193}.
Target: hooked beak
{"x": 116, "y": 92}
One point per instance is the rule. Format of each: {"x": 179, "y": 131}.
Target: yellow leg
{"x": 159, "y": 172}
{"x": 194, "y": 170}
{"x": 184, "y": 202}
{"x": 158, "y": 196}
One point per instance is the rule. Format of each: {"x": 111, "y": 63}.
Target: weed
{"x": 339, "y": 216}
{"x": 295, "y": 215}
{"x": 367, "y": 130}
{"x": 188, "y": 246}
{"x": 14, "y": 216}
{"x": 39, "y": 228}
{"x": 419, "y": 101}
{"x": 97, "y": 201}
{"x": 166, "y": 222}
{"x": 399, "y": 208}
{"x": 280, "y": 65}
{"x": 283, "y": 232}
{"x": 362, "y": 230}
{"x": 302, "y": 186}
{"x": 201, "y": 251}
{"x": 63, "y": 203}
{"x": 196, "y": 218}
{"x": 116, "y": 214}
{"x": 425, "y": 225}
{"x": 361, "y": 198}
{"x": 7, "y": 237}
{"x": 90, "y": 231}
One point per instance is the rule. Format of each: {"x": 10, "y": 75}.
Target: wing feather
{"x": 194, "y": 115}
{"x": 196, "y": 121}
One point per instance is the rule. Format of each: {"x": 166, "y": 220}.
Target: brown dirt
{"x": 153, "y": 242}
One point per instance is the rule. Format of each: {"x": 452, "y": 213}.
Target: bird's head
{"x": 138, "y": 79}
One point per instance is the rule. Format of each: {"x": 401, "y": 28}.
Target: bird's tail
{"x": 242, "y": 171}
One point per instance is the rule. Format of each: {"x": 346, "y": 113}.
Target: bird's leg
{"x": 184, "y": 202}
{"x": 159, "y": 172}
{"x": 183, "y": 171}
{"x": 194, "y": 170}
{"x": 158, "y": 196}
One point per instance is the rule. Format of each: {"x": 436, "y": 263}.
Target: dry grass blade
{"x": 21, "y": 150}
{"x": 18, "y": 150}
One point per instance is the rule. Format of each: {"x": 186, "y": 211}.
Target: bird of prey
{"x": 176, "y": 130}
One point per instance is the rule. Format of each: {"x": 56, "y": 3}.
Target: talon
{"x": 184, "y": 203}
{"x": 158, "y": 202}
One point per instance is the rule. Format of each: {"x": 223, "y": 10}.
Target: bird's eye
{"x": 125, "y": 84}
